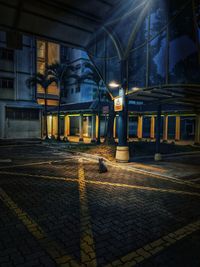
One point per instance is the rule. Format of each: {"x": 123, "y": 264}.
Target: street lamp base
{"x": 157, "y": 157}
{"x": 122, "y": 154}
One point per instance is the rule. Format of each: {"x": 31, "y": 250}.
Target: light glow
{"x": 114, "y": 84}
{"x": 135, "y": 89}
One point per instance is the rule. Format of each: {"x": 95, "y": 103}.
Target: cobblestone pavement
{"x": 57, "y": 210}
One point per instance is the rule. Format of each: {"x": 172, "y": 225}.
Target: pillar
{"x": 139, "y": 128}
{"x": 97, "y": 124}
{"x": 114, "y": 127}
{"x": 81, "y": 128}
{"x": 165, "y": 128}
{"x": 158, "y": 156}
{"x": 67, "y": 127}
{"x": 197, "y": 130}
{"x": 49, "y": 125}
{"x": 55, "y": 125}
{"x": 152, "y": 128}
{"x": 178, "y": 128}
{"x": 122, "y": 152}
{"x": 128, "y": 128}
{"x": 93, "y": 137}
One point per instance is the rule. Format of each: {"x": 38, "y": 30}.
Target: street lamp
{"x": 114, "y": 84}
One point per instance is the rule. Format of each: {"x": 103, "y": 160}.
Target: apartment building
{"x": 20, "y": 115}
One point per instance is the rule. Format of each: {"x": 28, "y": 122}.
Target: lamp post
{"x": 122, "y": 152}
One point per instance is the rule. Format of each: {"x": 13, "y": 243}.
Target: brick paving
{"x": 64, "y": 213}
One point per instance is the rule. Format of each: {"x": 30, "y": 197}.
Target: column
{"x": 197, "y": 130}
{"x": 122, "y": 152}
{"x": 114, "y": 127}
{"x": 93, "y": 137}
{"x": 97, "y": 124}
{"x": 178, "y": 128}
{"x": 165, "y": 128}
{"x": 152, "y": 128}
{"x": 140, "y": 125}
{"x": 49, "y": 125}
{"x": 55, "y": 126}
{"x": 158, "y": 156}
{"x": 81, "y": 128}
{"x": 128, "y": 128}
{"x": 67, "y": 128}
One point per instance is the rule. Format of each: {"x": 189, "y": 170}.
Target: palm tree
{"x": 44, "y": 80}
{"x": 59, "y": 73}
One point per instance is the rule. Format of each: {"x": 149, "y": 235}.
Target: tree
{"x": 59, "y": 73}
{"x": 44, "y": 80}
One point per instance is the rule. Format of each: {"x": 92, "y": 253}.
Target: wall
{"x": 16, "y": 129}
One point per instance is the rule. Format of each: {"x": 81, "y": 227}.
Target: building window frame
{"x": 6, "y": 83}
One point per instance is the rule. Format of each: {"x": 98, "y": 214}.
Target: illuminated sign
{"x": 118, "y": 103}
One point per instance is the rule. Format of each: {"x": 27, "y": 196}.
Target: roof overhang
{"x": 187, "y": 95}
{"x": 66, "y": 21}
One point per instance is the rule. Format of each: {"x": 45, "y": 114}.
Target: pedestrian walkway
{"x": 58, "y": 210}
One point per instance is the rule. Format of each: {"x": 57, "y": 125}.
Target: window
{"x": 7, "y": 83}
{"x": 6, "y": 54}
{"x": 41, "y": 49}
{"x": 22, "y": 114}
{"x": 72, "y": 90}
{"x": 77, "y": 89}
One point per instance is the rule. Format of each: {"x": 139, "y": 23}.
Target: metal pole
{"x": 158, "y": 133}
{"x": 122, "y": 154}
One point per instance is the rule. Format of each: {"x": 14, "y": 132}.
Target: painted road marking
{"x": 149, "y": 250}
{"x": 26, "y": 164}
{"x": 171, "y": 179}
{"x": 34, "y": 163}
{"x": 145, "y": 188}
{"x": 148, "y": 173}
{"x": 88, "y": 255}
{"x": 39, "y": 176}
{"x": 195, "y": 179}
{"x": 104, "y": 183}
{"x": 51, "y": 247}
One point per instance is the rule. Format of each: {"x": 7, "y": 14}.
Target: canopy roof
{"x": 72, "y": 22}
{"x": 160, "y": 40}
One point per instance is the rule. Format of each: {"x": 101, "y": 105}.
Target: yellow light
{"x": 135, "y": 89}
{"x": 114, "y": 84}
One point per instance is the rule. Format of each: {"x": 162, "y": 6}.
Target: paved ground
{"x": 57, "y": 210}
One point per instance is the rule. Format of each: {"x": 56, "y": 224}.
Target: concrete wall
{"x": 19, "y": 69}
{"x": 2, "y": 120}
{"x": 17, "y": 129}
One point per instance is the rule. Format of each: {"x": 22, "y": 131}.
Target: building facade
{"x": 20, "y": 115}
{"x": 47, "y": 53}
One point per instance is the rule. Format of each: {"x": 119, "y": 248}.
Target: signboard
{"x": 118, "y": 103}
